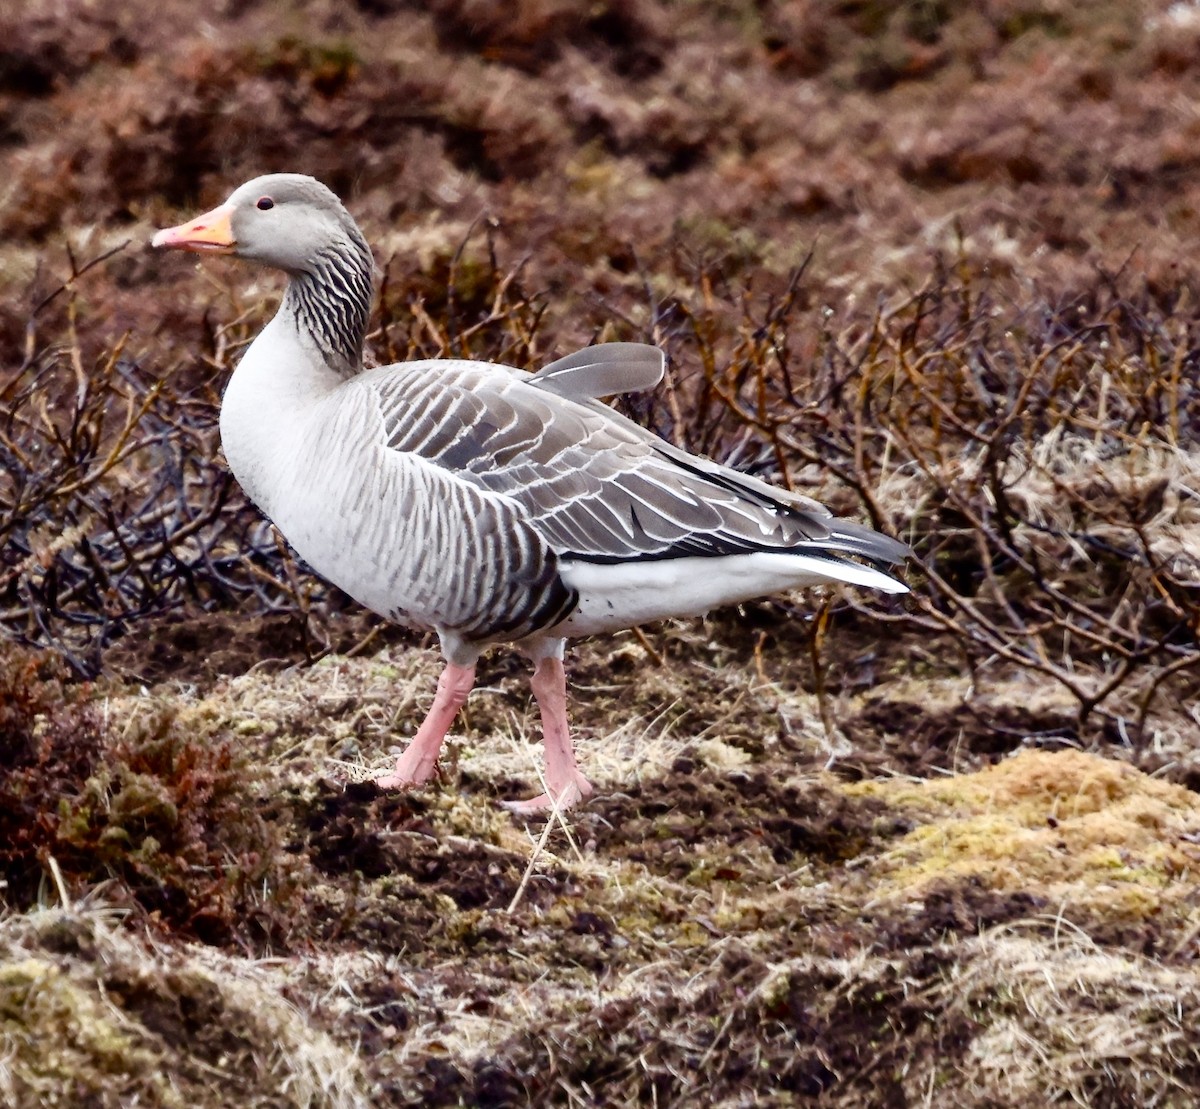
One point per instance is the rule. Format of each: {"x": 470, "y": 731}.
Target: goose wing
{"x": 597, "y": 487}
{"x": 604, "y": 370}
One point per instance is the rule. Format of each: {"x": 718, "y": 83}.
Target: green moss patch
{"x": 91, "y": 1015}
{"x": 1089, "y": 834}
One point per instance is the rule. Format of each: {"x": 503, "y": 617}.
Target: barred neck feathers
{"x": 330, "y": 301}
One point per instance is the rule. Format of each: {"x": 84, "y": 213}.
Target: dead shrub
{"x": 1036, "y": 457}
{"x": 113, "y": 506}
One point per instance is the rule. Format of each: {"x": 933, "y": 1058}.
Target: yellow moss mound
{"x": 92, "y": 1014}
{"x": 1074, "y": 828}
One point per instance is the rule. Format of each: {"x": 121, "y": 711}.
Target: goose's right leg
{"x": 567, "y": 785}
{"x": 419, "y": 762}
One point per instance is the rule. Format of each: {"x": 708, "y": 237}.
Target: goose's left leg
{"x": 566, "y": 783}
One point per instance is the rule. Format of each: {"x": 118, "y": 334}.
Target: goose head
{"x": 283, "y": 220}
{"x": 294, "y": 223}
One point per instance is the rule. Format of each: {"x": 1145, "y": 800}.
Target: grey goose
{"x": 483, "y": 502}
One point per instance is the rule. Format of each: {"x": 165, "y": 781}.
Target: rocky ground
{"x": 929, "y": 263}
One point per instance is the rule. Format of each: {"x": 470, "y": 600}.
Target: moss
{"x": 167, "y": 808}
{"x": 92, "y": 1014}
{"x": 58, "y": 1035}
{"x": 1087, "y": 831}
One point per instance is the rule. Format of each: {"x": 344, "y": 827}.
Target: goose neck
{"x": 330, "y": 303}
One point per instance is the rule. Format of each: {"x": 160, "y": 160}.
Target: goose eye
{"x": 264, "y": 204}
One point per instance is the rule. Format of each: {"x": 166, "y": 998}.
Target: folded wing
{"x": 596, "y": 486}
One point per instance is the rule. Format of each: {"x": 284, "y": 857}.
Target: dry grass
{"x": 1075, "y": 1022}
{"x": 1028, "y": 1010}
{"x": 970, "y": 937}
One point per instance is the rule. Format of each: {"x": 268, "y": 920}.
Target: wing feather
{"x": 595, "y": 485}
{"x": 604, "y": 370}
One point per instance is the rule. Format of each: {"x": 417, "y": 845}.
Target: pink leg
{"x": 419, "y": 761}
{"x": 566, "y": 784}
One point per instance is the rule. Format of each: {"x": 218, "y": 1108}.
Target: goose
{"x": 481, "y": 501}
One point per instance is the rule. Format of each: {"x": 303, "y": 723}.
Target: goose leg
{"x": 566, "y": 784}
{"x": 419, "y": 761}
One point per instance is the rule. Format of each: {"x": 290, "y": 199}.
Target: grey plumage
{"x": 597, "y": 487}
{"x": 602, "y": 371}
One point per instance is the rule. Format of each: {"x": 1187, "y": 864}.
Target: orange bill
{"x": 209, "y": 233}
